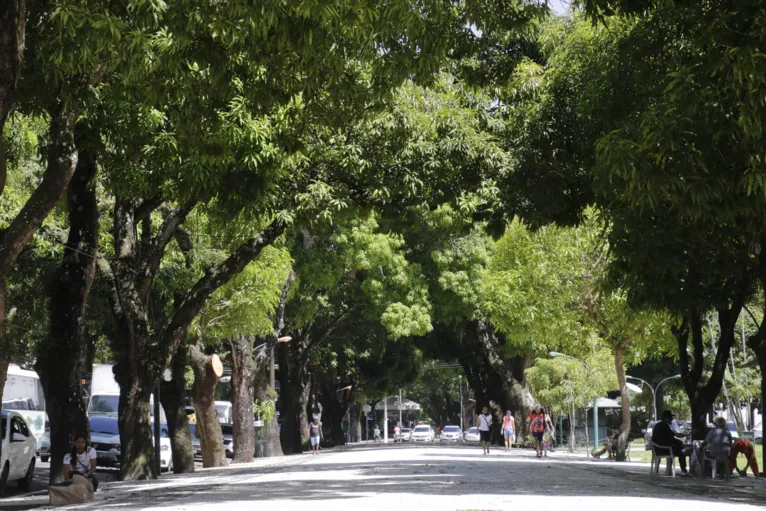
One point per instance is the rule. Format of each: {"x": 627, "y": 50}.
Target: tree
{"x": 262, "y": 77}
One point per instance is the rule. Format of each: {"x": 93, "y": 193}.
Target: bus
{"x": 23, "y": 393}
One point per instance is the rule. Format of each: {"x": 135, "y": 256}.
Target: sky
{"x": 559, "y": 6}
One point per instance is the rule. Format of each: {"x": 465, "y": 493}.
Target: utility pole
{"x": 385, "y": 420}
{"x": 157, "y": 426}
{"x": 272, "y": 380}
{"x": 460, "y": 390}
{"x": 401, "y": 424}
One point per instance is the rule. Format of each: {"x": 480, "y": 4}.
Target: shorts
{"x": 508, "y": 432}
{"x": 314, "y": 440}
{"x": 538, "y": 436}
{"x": 484, "y": 436}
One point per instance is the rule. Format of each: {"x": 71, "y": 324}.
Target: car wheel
{"x": 4, "y": 478}
{"x": 26, "y": 483}
{"x": 44, "y": 459}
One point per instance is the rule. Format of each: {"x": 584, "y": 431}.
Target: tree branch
{"x": 322, "y": 338}
{"x": 213, "y": 279}
{"x": 153, "y": 253}
{"x": 148, "y": 206}
{"x": 62, "y": 160}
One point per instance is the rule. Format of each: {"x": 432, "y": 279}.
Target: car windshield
{"x": 472, "y": 430}
{"x": 406, "y": 430}
{"x": 227, "y": 429}
{"x": 104, "y": 405}
{"x": 16, "y": 404}
{"x": 452, "y": 429}
{"x": 104, "y": 426}
{"x": 651, "y": 424}
{"x": 422, "y": 429}
{"x": 732, "y": 427}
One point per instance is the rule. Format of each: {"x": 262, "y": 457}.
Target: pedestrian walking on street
{"x": 82, "y": 461}
{"x": 376, "y": 432}
{"x": 509, "y": 430}
{"x": 537, "y": 427}
{"x": 485, "y": 428}
{"x": 315, "y": 435}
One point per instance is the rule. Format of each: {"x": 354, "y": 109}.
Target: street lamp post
{"x": 595, "y": 397}
{"x": 271, "y": 365}
{"x": 654, "y": 394}
{"x": 676, "y": 377}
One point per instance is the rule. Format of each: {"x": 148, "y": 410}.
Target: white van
{"x": 225, "y": 412}
{"x": 23, "y": 393}
{"x": 105, "y": 394}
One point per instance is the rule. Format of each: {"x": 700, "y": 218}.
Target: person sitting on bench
{"x": 610, "y": 446}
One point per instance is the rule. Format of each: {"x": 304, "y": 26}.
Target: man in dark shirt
{"x": 663, "y": 435}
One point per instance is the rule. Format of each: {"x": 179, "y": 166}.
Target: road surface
{"x": 445, "y": 478}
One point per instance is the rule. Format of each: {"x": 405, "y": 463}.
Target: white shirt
{"x": 82, "y": 465}
{"x": 678, "y": 426}
{"x": 484, "y": 422}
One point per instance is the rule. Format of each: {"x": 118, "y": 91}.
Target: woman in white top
{"x": 82, "y": 461}
{"x": 485, "y": 422}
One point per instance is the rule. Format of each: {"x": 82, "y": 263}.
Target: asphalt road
{"x": 446, "y": 478}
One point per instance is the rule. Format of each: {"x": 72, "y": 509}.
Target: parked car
{"x": 228, "y": 439}
{"x": 196, "y": 445}
{"x": 166, "y": 454}
{"x": 406, "y": 433}
{"x": 472, "y": 435}
{"x": 648, "y": 434}
{"x": 18, "y": 451}
{"x": 450, "y": 434}
{"x": 105, "y": 439}
{"x": 423, "y": 433}
{"x": 758, "y": 433}
{"x": 733, "y": 429}
{"x": 45, "y": 444}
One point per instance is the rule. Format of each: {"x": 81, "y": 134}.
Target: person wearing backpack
{"x": 82, "y": 461}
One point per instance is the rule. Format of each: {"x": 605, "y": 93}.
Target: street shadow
{"x": 430, "y": 473}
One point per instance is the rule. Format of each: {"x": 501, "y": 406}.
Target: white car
{"x": 406, "y": 432}
{"x": 422, "y": 433}
{"x": 758, "y": 432}
{"x": 472, "y": 435}
{"x": 105, "y": 439}
{"x": 450, "y": 434}
{"x": 18, "y": 456}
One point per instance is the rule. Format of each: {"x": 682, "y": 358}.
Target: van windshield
{"x": 104, "y": 405}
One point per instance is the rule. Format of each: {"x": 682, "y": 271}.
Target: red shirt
{"x": 536, "y": 422}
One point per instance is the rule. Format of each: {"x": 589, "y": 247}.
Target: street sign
{"x": 258, "y": 424}
{"x": 366, "y": 408}
{"x": 371, "y": 417}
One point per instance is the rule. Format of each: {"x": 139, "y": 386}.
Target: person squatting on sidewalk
{"x": 744, "y": 447}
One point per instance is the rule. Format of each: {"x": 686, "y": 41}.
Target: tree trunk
{"x": 62, "y": 160}
{"x": 172, "y": 398}
{"x": 208, "y": 369}
{"x": 622, "y": 440}
{"x": 703, "y": 394}
{"x": 519, "y": 398}
{"x": 355, "y": 424}
{"x": 242, "y": 380}
{"x": 60, "y": 357}
{"x": 12, "y": 24}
